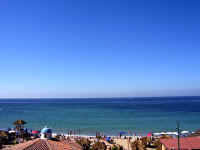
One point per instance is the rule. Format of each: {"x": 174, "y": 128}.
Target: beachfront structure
{"x": 187, "y": 143}
{"x": 46, "y": 133}
{"x": 19, "y": 124}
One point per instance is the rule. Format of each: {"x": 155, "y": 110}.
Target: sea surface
{"x": 107, "y": 115}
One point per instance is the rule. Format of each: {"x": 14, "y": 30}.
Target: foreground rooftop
{"x": 187, "y": 143}
{"x": 41, "y": 144}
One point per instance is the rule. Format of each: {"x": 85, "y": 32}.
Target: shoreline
{"x": 174, "y": 133}
{"x": 129, "y": 133}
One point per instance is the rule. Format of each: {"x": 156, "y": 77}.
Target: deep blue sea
{"x": 108, "y": 115}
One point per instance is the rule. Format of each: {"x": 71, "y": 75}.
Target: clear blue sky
{"x": 99, "y": 48}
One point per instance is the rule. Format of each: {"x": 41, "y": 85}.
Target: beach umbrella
{"x": 149, "y": 134}
{"x": 19, "y": 122}
{"x": 156, "y": 134}
{"x": 35, "y": 132}
{"x": 169, "y": 133}
{"x": 108, "y": 139}
{"x": 12, "y": 131}
{"x": 185, "y": 132}
{"x": 122, "y": 132}
{"x": 162, "y": 133}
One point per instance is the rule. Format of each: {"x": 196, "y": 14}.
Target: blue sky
{"x": 99, "y": 48}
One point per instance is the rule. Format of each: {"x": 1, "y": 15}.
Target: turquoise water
{"x": 139, "y": 115}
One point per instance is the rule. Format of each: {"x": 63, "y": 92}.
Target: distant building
{"x": 187, "y": 143}
{"x": 46, "y": 133}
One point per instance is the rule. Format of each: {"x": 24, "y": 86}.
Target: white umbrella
{"x": 12, "y": 131}
{"x": 169, "y": 133}
{"x": 184, "y": 132}
{"x": 163, "y": 133}
{"x": 175, "y": 133}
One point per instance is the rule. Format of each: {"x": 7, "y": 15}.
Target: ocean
{"x": 107, "y": 115}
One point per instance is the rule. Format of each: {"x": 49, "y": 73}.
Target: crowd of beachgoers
{"x": 10, "y": 137}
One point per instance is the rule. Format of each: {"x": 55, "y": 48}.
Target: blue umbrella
{"x": 108, "y": 139}
{"x": 122, "y": 132}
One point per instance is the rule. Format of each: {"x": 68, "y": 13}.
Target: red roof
{"x": 187, "y": 143}
{"x": 39, "y": 144}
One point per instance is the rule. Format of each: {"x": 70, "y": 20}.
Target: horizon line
{"x": 93, "y": 97}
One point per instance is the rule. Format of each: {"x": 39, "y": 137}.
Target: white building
{"x": 46, "y": 133}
